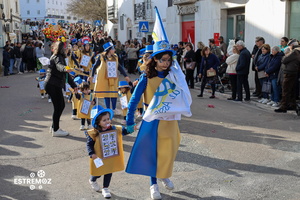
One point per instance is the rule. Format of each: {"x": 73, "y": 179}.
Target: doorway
{"x": 188, "y": 28}
{"x": 236, "y": 24}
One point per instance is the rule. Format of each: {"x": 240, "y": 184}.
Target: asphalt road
{"x": 234, "y": 151}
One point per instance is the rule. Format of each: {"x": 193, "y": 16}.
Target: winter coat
{"x": 273, "y": 66}
{"x": 132, "y": 53}
{"x": 262, "y": 61}
{"x": 292, "y": 62}
{"x": 231, "y": 62}
{"x": 56, "y": 73}
{"x": 212, "y": 61}
{"x": 6, "y": 58}
{"x": 243, "y": 64}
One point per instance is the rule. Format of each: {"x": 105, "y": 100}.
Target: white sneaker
{"x": 74, "y": 117}
{"x": 43, "y": 97}
{"x": 82, "y": 128}
{"x": 51, "y": 129}
{"x": 265, "y": 101}
{"x": 106, "y": 193}
{"x": 59, "y": 133}
{"x": 20, "y": 73}
{"x": 167, "y": 183}
{"x": 261, "y": 100}
{"x": 89, "y": 127}
{"x": 275, "y": 104}
{"x": 49, "y": 101}
{"x": 154, "y": 192}
{"x": 270, "y": 103}
{"x": 94, "y": 185}
{"x": 123, "y": 122}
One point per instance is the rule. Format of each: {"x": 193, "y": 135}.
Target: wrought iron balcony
{"x": 112, "y": 14}
{"x": 181, "y": 2}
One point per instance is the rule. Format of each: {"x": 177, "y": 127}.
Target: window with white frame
{"x": 28, "y": 12}
{"x": 38, "y": 12}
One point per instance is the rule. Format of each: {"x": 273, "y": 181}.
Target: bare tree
{"x": 88, "y": 9}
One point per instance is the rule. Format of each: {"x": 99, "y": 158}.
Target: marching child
{"x": 125, "y": 95}
{"x": 41, "y": 80}
{"x": 85, "y": 104}
{"x": 74, "y": 100}
{"x": 113, "y": 159}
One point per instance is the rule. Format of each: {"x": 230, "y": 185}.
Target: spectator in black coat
{"x": 57, "y": 75}
{"x": 189, "y": 59}
{"x": 6, "y": 60}
{"x": 242, "y": 70}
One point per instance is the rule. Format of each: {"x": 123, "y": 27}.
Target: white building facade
{"x": 10, "y": 21}
{"x": 201, "y": 20}
{"x": 38, "y": 10}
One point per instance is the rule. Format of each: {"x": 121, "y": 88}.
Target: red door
{"x": 188, "y": 31}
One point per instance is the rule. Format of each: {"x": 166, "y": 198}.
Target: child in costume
{"x": 73, "y": 98}
{"x": 154, "y": 151}
{"x": 86, "y": 100}
{"x": 112, "y": 158}
{"x": 106, "y": 84}
{"x": 86, "y": 53}
{"x": 41, "y": 80}
{"x": 125, "y": 95}
{"x": 68, "y": 87}
{"x": 146, "y": 55}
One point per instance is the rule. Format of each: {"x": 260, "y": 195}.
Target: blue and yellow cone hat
{"x": 149, "y": 49}
{"x": 108, "y": 45}
{"x": 99, "y": 110}
{"x": 123, "y": 84}
{"x": 160, "y": 37}
{"x": 160, "y": 47}
{"x": 42, "y": 71}
{"x": 142, "y": 52}
{"x": 78, "y": 80}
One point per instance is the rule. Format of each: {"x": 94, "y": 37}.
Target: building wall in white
{"x": 33, "y": 9}
{"x": 37, "y": 10}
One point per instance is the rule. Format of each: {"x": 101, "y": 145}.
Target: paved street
{"x": 234, "y": 151}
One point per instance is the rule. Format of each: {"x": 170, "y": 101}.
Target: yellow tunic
{"x": 168, "y": 135}
{"x": 89, "y": 67}
{"x": 112, "y": 164}
{"x": 105, "y": 87}
{"x": 74, "y": 102}
{"x": 128, "y": 96}
{"x": 80, "y": 102}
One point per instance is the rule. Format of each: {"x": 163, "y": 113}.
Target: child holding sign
{"x": 41, "y": 81}
{"x": 85, "y": 104}
{"x": 105, "y": 148}
{"x": 125, "y": 95}
{"x": 86, "y": 60}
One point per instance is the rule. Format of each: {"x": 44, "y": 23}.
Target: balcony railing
{"x": 112, "y": 13}
{"x": 180, "y": 2}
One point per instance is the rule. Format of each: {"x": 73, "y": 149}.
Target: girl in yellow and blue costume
{"x": 105, "y": 87}
{"x": 157, "y": 142}
{"x": 102, "y": 123}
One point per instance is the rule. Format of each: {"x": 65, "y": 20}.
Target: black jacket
{"x": 243, "y": 64}
{"x": 56, "y": 73}
{"x": 6, "y": 57}
{"x": 17, "y": 52}
{"x": 292, "y": 61}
